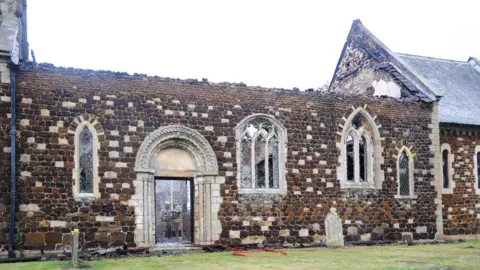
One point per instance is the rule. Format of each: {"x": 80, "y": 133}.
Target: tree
{"x": 324, "y": 87}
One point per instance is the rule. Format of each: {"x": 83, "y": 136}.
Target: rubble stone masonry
{"x": 461, "y": 208}
{"x": 128, "y": 108}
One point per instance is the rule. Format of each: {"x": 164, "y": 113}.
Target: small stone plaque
{"x": 334, "y": 231}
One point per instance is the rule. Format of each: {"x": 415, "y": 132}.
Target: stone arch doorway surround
{"x": 207, "y": 200}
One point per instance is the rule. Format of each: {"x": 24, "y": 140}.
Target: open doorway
{"x": 173, "y": 210}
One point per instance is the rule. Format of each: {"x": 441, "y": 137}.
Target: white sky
{"x": 268, "y": 43}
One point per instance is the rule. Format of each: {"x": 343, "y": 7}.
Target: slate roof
{"x": 457, "y": 82}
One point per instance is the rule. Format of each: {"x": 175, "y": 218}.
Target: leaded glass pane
{"x": 445, "y": 168}
{"x": 85, "y": 146}
{"x": 404, "y": 175}
{"x": 362, "y": 149}
{"x": 350, "y": 159}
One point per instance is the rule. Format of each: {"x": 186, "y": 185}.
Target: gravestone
{"x": 334, "y": 230}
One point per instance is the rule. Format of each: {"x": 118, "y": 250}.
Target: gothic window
{"x": 85, "y": 174}
{"x": 259, "y": 150}
{"x": 445, "y": 165}
{"x": 363, "y": 159}
{"x": 358, "y": 151}
{"x": 350, "y": 158}
{"x": 405, "y": 174}
{"x": 477, "y": 169}
{"x": 85, "y": 154}
{"x": 448, "y": 184}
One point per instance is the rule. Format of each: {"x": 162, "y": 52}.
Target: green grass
{"x": 444, "y": 256}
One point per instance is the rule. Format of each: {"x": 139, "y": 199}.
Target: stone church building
{"x": 393, "y": 148}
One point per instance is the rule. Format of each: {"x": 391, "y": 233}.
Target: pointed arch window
{"x": 85, "y": 174}
{"x": 404, "y": 175}
{"x": 445, "y": 162}
{"x": 361, "y": 153}
{"x": 260, "y": 153}
{"x": 85, "y": 165}
{"x": 405, "y": 167}
{"x": 358, "y": 148}
{"x": 476, "y": 171}
{"x": 448, "y": 184}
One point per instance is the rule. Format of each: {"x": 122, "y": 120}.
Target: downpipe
{"x": 13, "y": 135}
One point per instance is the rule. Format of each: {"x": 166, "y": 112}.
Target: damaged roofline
{"x": 28, "y": 65}
{"x": 406, "y": 69}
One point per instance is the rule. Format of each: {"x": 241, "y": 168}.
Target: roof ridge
{"x": 431, "y": 58}
{"x": 409, "y": 73}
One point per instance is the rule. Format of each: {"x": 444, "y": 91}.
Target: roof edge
{"x": 474, "y": 62}
{"x": 408, "y": 71}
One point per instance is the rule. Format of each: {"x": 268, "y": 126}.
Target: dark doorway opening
{"x": 173, "y": 210}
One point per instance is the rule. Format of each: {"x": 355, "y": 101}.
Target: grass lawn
{"x": 443, "y": 256}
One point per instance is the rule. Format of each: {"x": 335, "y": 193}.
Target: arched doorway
{"x": 176, "y": 153}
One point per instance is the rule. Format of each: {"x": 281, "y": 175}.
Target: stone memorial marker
{"x": 334, "y": 230}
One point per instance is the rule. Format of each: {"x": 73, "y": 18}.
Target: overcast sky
{"x": 269, "y": 43}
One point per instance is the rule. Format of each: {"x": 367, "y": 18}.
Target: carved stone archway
{"x": 207, "y": 227}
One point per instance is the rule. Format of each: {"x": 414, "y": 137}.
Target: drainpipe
{"x": 13, "y": 134}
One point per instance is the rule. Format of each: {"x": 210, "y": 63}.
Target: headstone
{"x": 75, "y": 249}
{"x": 334, "y": 230}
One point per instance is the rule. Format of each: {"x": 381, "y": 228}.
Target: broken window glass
{"x": 85, "y": 146}
{"x": 404, "y": 174}
{"x": 245, "y": 162}
{"x": 357, "y": 122}
{"x": 445, "y": 168}
{"x": 273, "y": 163}
{"x": 260, "y": 160}
{"x": 259, "y": 157}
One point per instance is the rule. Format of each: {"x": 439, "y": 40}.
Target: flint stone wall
{"x": 461, "y": 208}
{"x": 130, "y": 107}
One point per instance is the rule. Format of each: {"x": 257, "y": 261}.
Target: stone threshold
{"x": 187, "y": 247}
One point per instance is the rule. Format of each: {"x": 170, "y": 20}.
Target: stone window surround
{"x": 411, "y": 167}
{"x": 475, "y": 164}
{"x": 376, "y": 172}
{"x": 282, "y": 156}
{"x": 82, "y": 122}
{"x": 357, "y": 135}
{"x": 207, "y": 199}
{"x": 451, "y": 182}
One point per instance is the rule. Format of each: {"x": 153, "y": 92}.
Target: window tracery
{"x": 358, "y": 151}
{"x": 260, "y": 154}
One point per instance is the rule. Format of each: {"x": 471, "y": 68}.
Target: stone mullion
{"x": 356, "y": 159}
{"x": 252, "y": 161}
{"x": 267, "y": 173}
